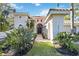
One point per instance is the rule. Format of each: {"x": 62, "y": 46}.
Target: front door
{"x": 39, "y": 29}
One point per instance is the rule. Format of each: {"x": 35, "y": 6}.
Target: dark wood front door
{"x": 39, "y": 29}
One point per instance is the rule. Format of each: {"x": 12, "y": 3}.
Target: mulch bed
{"x": 67, "y": 52}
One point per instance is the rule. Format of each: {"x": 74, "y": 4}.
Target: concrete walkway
{"x": 39, "y": 38}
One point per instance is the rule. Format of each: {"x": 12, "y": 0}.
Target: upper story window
{"x": 41, "y": 20}
{"x": 37, "y": 20}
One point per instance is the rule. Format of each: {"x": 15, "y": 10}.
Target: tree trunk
{"x": 72, "y": 18}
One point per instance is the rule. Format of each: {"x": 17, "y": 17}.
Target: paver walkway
{"x": 39, "y": 38}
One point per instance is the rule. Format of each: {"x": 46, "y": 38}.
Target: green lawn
{"x": 43, "y": 49}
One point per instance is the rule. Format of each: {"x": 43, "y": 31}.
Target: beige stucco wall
{"x": 18, "y": 21}
{"x": 55, "y": 25}
{"x": 67, "y": 28}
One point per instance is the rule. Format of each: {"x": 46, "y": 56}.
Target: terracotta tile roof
{"x": 60, "y": 9}
{"x": 39, "y": 17}
{"x": 20, "y": 14}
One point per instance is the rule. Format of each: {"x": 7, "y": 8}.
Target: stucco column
{"x": 51, "y": 29}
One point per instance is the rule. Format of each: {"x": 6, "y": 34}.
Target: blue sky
{"x": 37, "y": 9}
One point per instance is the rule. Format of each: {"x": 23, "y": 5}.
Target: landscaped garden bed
{"x": 67, "y": 52}
{"x": 19, "y": 41}
{"x": 67, "y": 42}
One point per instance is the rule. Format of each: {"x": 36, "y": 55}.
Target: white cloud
{"x": 44, "y": 12}
{"x": 36, "y": 4}
{"x": 15, "y": 6}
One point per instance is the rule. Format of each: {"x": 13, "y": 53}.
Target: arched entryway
{"x": 39, "y": 28}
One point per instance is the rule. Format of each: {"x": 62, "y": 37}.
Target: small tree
{"x": 30, "y": 24}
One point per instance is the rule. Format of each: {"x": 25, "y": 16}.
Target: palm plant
{"x": 20, "y": 39}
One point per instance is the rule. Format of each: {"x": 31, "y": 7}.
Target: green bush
{"x": 76, "y": 37}
{"x": 66, "y": 40}
{"x": 3, "y": 45}
{"x": 19, "y": 39}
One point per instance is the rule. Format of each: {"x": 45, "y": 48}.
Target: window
{"x": 37, "y": 20}
{"x": 41, "y": 20}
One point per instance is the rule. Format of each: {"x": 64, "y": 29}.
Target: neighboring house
{"x": 67, "y": 26}
{"x": 20, "y": 19}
